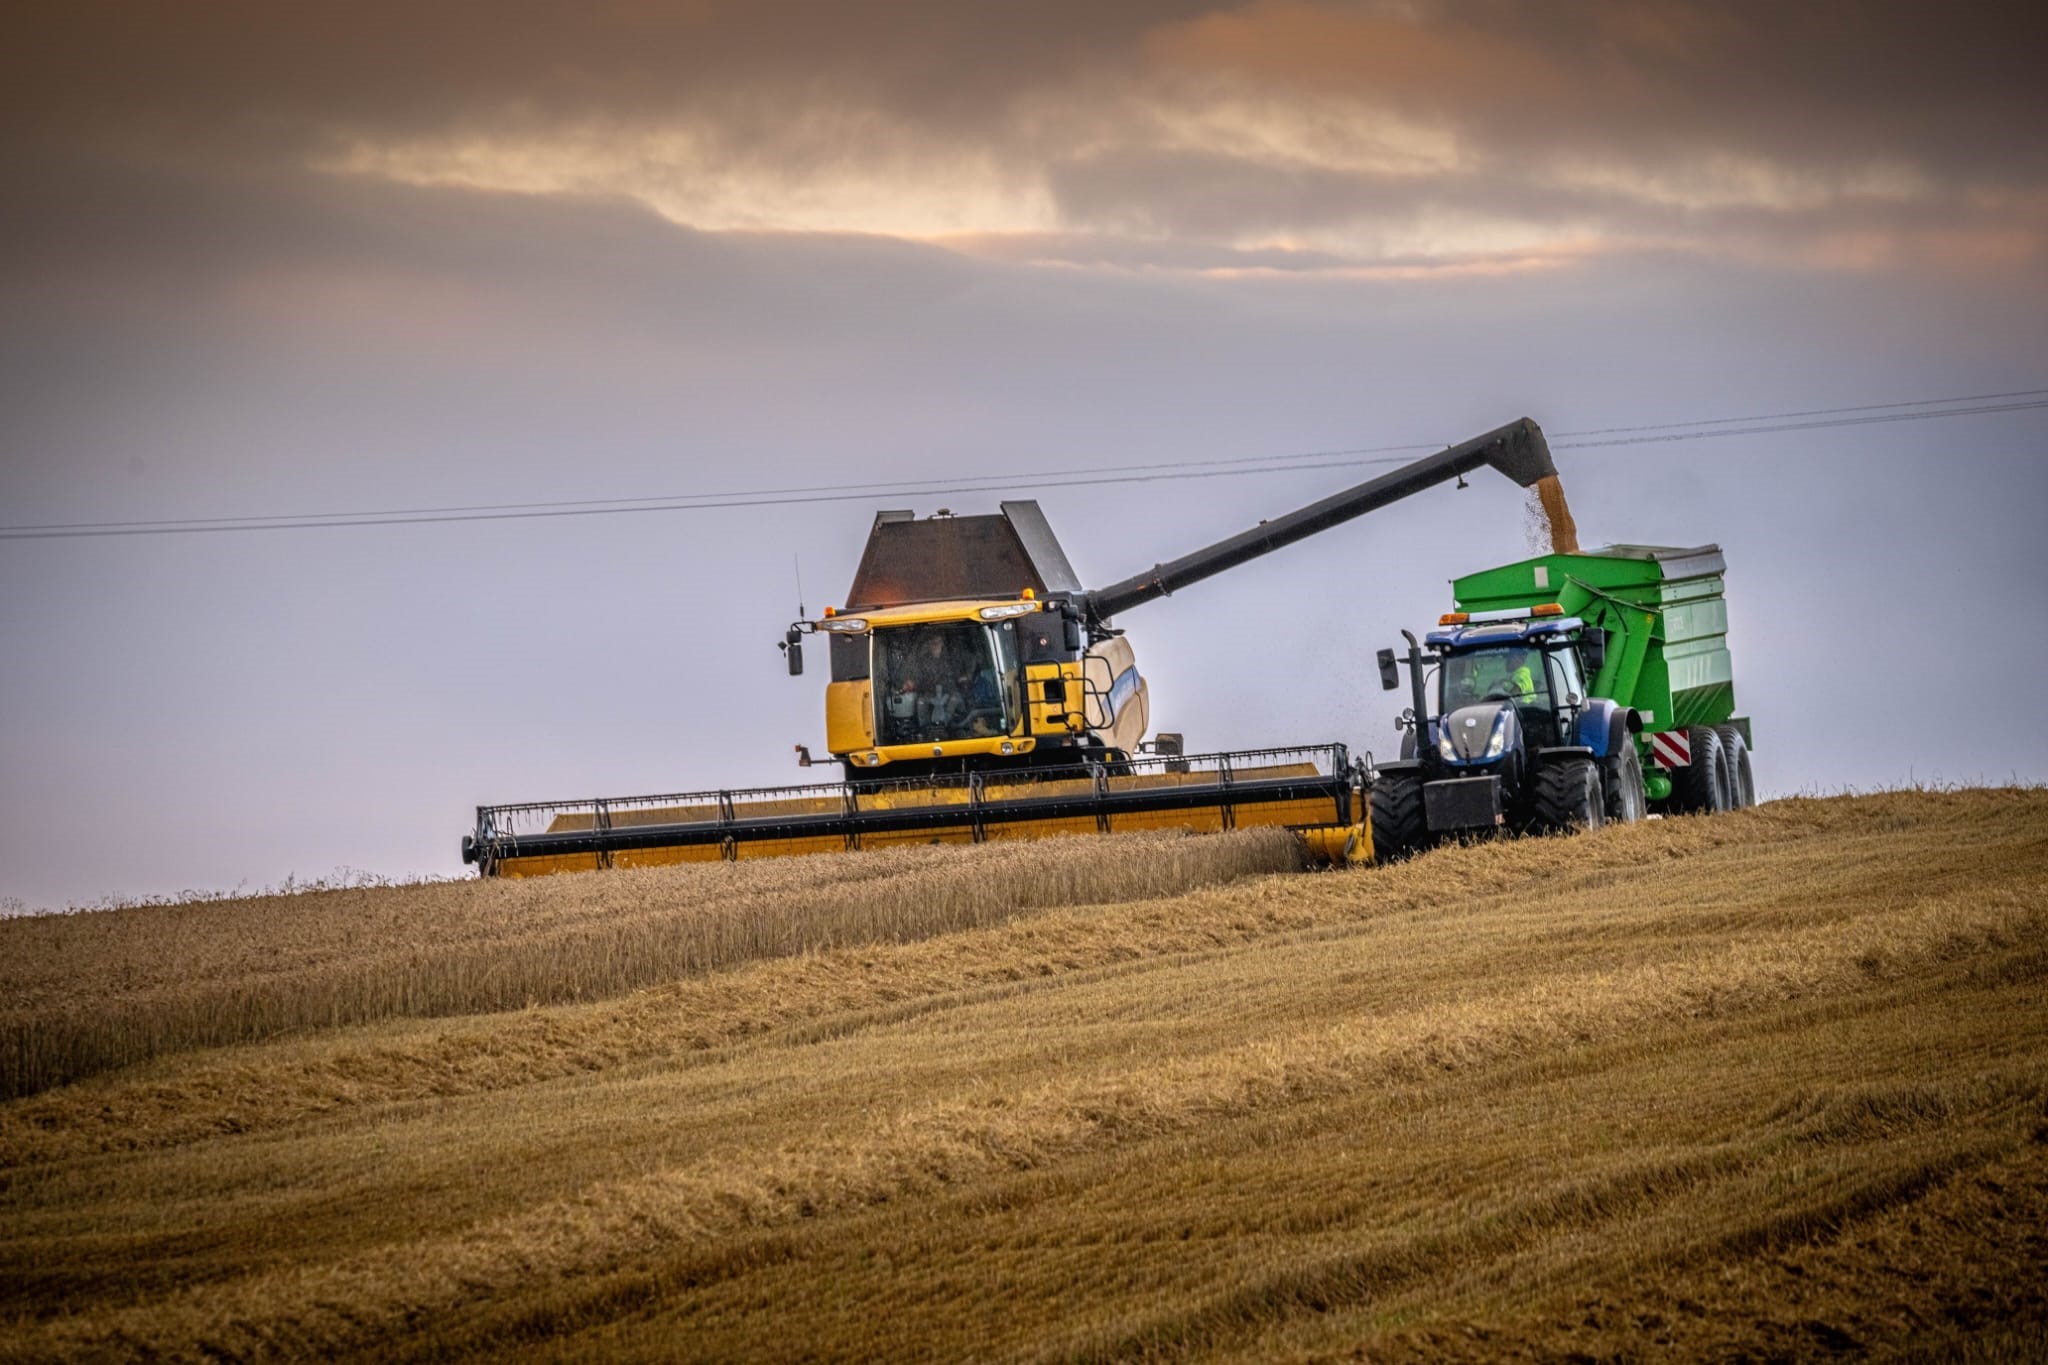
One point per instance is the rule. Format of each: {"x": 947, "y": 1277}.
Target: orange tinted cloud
{"x": 1281, "y": 134}
{"x": 1381, "y": 53}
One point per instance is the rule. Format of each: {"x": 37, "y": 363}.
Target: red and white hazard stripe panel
{"x": 1671, "y": 749}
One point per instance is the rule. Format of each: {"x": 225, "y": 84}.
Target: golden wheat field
{"x": 1771, "y": 1084}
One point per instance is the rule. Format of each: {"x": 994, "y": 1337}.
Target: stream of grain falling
{"x": 1557, "y": 516}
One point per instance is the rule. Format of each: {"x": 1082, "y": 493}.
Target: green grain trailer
{"x": 1667, "y": 656}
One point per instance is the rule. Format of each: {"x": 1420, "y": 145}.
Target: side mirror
{"x": 1593, "y": 649}
{"x": 793, "y": 646}
{"x": 1390, "y": 673}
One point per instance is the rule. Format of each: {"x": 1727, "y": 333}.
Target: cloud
{"x": 1334, "y": 136}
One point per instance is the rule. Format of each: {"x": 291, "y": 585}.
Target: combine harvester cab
{"x": 978, "y": 691}
{"x": 1627, "y": 707}
{"x": 961, "y": 648}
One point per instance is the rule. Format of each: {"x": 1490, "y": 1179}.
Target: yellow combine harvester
{"x": 979, "y": 692}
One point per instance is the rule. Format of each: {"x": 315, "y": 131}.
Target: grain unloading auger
{"x": 980, "y": 692}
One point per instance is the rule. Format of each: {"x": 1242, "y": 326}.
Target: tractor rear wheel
{"x": 1700, "y": 788}
{"x": 1568, "y": 796}
{"x": 1621, "y": 776}
{"x": 1399, "y": 824}
{"x": 1742, "y": 786}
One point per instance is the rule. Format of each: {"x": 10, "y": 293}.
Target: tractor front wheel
{"x": 1399, "y": 824}
{"x": 1568, "y": 796}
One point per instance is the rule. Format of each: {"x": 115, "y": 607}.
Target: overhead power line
{"x": 1812, "y": 412}
{"x": 1913, "y": 410}
{"x": 920, "y": 486}
{"x": 881, "y": 488}
{"x": 1869, "y": 420}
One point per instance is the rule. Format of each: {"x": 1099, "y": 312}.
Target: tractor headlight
{"x": 1009, "y": 609}
{"x": 1498, "y": 740}
{"x": 1443, "y": 743}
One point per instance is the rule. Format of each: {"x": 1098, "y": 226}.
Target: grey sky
{"x": 359, "y": 258}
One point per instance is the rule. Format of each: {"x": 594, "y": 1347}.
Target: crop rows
{"x": 102, "y": 989}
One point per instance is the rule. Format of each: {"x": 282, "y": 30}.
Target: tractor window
{"x": 1569, "y": 681}
{"x": 945, "y": 680}
{"x": 1511, "y": 673}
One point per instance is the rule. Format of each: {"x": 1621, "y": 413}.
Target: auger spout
{"x": 1517, "y": 450}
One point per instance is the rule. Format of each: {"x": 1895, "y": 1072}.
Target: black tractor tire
{"x": 1621, "y": 778}
{"x": 1568, "y": 796}
{"x": 1742, "y": 778}
{"x": 1701, "y": 787}
{"x": 1400, "y": 826}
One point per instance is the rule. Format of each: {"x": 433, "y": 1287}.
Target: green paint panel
{"x": 1667, "y": 654}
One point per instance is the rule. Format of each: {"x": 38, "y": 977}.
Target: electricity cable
{"x": 1811, "y": 412}
{"x": 1870, "y": 414}
{"x": 883, "y": 486}
{"x": 915, "y": 486}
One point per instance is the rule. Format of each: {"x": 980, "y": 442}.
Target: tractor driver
{"x": 1520, "y": 684}
{"x": 1496, "y": 675}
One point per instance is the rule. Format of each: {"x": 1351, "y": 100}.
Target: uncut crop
{"x": 101, "y": 989}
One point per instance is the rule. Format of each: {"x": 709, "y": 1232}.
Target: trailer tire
{"x": 1400, "y": 826}
{"x": 1700, "y": 787}
{"x": 1568, "y": 796}
{"x": 1621, "y": 777}
{"x": 1742, "y": 778}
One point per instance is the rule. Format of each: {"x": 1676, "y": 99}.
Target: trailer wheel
{"x": 1621, "y": 776}
{"x": 1400, "y": 826}
{"x": 1699, "y": 788}
{"x": 1568, "y": 796}
{"x": 1742, "y": 784}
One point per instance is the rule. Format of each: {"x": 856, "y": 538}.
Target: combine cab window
{"x": 947, "y": 680}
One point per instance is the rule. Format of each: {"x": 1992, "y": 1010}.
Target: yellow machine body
{"x": 1332, "y": 829}
{"x": 1097, "y": 701}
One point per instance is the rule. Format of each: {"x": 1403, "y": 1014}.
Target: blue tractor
{"x": 1517, "y": 744}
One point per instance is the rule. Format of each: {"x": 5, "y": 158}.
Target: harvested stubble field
{"x": 1768, "y": 1084}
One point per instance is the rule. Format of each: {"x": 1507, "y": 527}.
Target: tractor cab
{"x": 1531, "y": 665}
